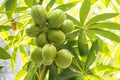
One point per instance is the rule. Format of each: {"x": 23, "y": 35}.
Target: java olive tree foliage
{"x": 67, "y": 39}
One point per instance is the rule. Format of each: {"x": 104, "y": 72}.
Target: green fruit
{"x": 63, "y": 58}
{"x": 36, "y": 55}
{"x": 56, "y": 19}
{"x": 39, "y": 15}
{"x": 33, "y": 30}
{"x": 46, "y": 62}
{"x": 67, "y": 26}
{"x": 41, "y": 39}
{"x": 56, "y": 36}
{"x": 49, "y": 52}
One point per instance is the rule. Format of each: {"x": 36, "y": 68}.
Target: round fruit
{"x": 33, "y": 30}
{"x": 41, "y": 39}
{"x": 56, "y": 19}
{"x": 67, "y": 26}
{"x": 63, "y": 58}
{"x": 56, "y": 36}
{"x": 49, "y": 52}
{"x": 39, "y": 15}
{"x": 36, "y": 55}
{"x": 46, "y": 62}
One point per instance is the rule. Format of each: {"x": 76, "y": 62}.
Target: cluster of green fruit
{"x": 48, "y": 54}
{"x": 49, "y": 28}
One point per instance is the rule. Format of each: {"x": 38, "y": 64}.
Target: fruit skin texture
{"x": 39, "y": 15}
{"x": 56, "y": 19}
{"x": 36, "y": 55}
{"x": 46, "y": 62}
{"x": 41, "y": 39}
{"x": 33, "y": 30}
{"x": 67, "y": 26}
{"x": 63, "y": 58}
{"x": 49, "y": 53}
{"x": 56, "y": 36}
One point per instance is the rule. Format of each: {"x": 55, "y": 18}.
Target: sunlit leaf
{"x": 21, "y": 73}
{"x": 29, "y": 2}
{"x": 67, "y": 6}
{"x": 75, "y": 21}
{"x": 118, "y": 1}
{"x": 30, "y": 73}
{"x": 106, "y": 2}
{"x": 4, "y": 54}
{"x": 13, "y": 59}
{"x": 23, "y": 55}
{"x": 10, "y": 7}
{"x": 91, "y": 55}
{"x": 107, "y": 25}
{"x": 5, "y": 27}
{"x": 19, "y": 9}
{"x": 50, "y": 4}
{"x": 84, "y": 10}
{"x": 101, "y": 17}
{"x": 106, "y": 34}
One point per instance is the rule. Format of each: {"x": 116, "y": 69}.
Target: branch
{"x": 40, "y": 2}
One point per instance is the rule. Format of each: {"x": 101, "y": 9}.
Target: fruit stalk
{"x": 42, "y": 72}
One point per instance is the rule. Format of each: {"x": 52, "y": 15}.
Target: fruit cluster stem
{"x": 42, "y": 72}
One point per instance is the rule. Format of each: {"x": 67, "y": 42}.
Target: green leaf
{"x": 107, "y": 25}
{"x": 101, "y": 17}
{"x": 103, "y": 47}
{"x": 10, "y": 7}
{"x": 60, "y": 2}
{"x": 13, "y": 59}
{"x": 92, "y": 55}
{"x": 106, "y": 2}
{"x": 5, "y": 27}
{"x": 82, "y": 43}
{"x": 118, "y": 1}
{"x": 75, "y": 21}
{"x": 2, "y": 7}
{"x": 105, "y": 68}
{"x": 84, "y": 10}
{"x": 1, "y": 67}
{"x": 29, "y": 2}
{"x": 4, "y": 54}
{"x": 20, "y": 9}
{"x": 50, "y": 4}
{"x": 67, "y": 6}
{"x": 23, "y": 54}
{"x": 30, "y": 73}
{"x": 65, "y": 75}
{"x": 21, "y": 73}
{"x": 106, "y": 34}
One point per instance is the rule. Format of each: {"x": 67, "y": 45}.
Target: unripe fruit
{"x": 46, "y": 62}
{"x": 63, "y": 58}
{"x": 56, "y": 36}
{"x": 39, "y": 15}
{"x": 56, "y": 19}
{"x": 41, "y": 39}
{"x": 67, "y": 26}
{"x": 33, "y": 30}
{"x": 49, "y": 52}
{"x": 36, "y": 55}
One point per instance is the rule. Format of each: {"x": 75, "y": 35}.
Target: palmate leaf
{"x": 82, "y": 43}
{"x": 84, "y": 10}
{"x": 67, "y": 6}
{"x": 30, "y": 73}
{"x": 75, "y": 21}
{"x": 101, "y": 17}
{"x": 5, "y": 27}
{"x": 91, "y": 55}
{"x": 4, "y": 54}
{"x": 106, "y": 34}
{"x": 30, "y": 3}
{"x": 50, "y": 4}
{"x": 10, "y": 6}
{"x": 107, "y": 25}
